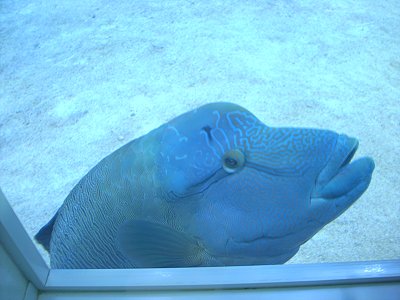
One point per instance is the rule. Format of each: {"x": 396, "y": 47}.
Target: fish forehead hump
{"x": 231, "y": 126}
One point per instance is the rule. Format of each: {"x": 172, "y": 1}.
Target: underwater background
{"x": 80, "y": 79}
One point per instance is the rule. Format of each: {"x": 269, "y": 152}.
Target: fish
{"x": 212, "y": 187}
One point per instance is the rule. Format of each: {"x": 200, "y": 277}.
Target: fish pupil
{"x": 230, "y": 162}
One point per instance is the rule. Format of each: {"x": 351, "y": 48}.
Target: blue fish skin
{"x": 212, "y": 187}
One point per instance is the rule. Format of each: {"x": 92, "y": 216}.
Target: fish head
{"x": 249, "y": 190}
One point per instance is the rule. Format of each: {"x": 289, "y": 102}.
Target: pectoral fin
{"x": 150, "y": 244}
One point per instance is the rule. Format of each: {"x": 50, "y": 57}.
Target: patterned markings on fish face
{"x": 250, "y": 181}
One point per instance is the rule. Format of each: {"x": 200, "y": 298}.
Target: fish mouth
{"x": 341, "y": 175}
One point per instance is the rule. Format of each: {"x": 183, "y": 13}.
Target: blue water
{"x": 79, "y": 80}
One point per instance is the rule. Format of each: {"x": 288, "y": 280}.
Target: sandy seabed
{"x": 78, "y": 79}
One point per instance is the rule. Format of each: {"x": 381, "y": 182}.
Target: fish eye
{"x": 233, "y": 160}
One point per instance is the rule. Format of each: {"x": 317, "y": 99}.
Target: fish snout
{"x": 342, "y": 181}
{"x": 342, "y": 154}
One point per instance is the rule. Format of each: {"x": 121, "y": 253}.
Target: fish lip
{"x": 351, "y": 153}
{"x": 341, "y": 156}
